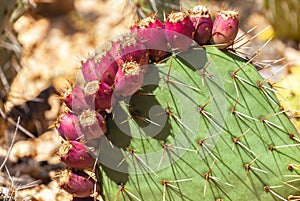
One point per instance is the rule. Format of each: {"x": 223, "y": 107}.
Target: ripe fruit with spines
{"x": 88, "y": 70}
{"x": 68, "y": 126}
{"x": 203, "y": 24}
{"x": 103, "y": 99}
{"x": 75, "y": 99}
{"x": 98, "y": 95}
{"x": 90, "y": 90}
{"x": 76, "y": 155}
{"x": 150, "y": 30}
{"x": 133, "y": 49}
{"x": 129, "y": 79}
{"x": 92, "y": 124}
{"x": 127, "y": 48}
{"x": 179, "y": 30}
{"x": 225, "y": 28}
{"x": 105, "y": 66}
{"x": 76, "y": 182}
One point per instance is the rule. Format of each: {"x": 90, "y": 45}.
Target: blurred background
{"x": 43, "y": 41}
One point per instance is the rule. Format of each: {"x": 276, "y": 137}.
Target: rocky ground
{"x": 52, "y": 49}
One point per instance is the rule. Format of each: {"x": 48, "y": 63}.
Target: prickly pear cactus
{"x": 197, "y": 123}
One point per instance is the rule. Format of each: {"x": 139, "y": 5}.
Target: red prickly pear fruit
{"x": 150, "y": 30}
{"x": 135, "y": 27}
{"x": 114, "y": 49}
{"x": 88, "y": 69}
{"x": 68, "y": 126}
{"x": 202, "y": 22}
{"x": 105, "y": 66}
{"x": 128, "y": 48}
{"x": 77, "y": 183}
{"x": 103, "y": 97}
{"x": 225, "y": 28}
{"x": 90, "y": 89}
{"x": 129, "y": 79}
{"x": 133, "y": 49}
{"x": 75, "y": 100}
{"x": 179, "y": 30}
{"x": 92, "y": 124}
{"x": 76, "y": 155}
{"x": 98, "y": 94}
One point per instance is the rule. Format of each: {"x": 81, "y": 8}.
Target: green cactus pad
{"x": 205, "y": 126}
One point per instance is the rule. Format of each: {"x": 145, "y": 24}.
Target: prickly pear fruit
{"x": 106, "y": 67}
{"x": 98, "y": 95}
{"x": 132, "y": 49}
{"x": 76, "y": 155}
{"x": 76, "y": 182}
{"x": 103, "y": 96}
{"x": 150, "y": 30}
{"x": 68, "y": 126}
{"x": 92, "y": 124}
{"x": 88, "y": 70}
{"x": 128, "y": 48}
{"x": 75, "y": 100}
{"x": 202, "y": 22}
{"x": 90, "y": 90}
{"x": 225, "y": 28}
{"x": 179, "y": 30}
{"x": 129, "y": 79}
{"x": 114, "y": 49}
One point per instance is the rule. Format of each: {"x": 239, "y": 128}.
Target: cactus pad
{"x": 205, "y": 126}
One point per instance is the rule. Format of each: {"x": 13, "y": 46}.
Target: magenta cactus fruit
{"x": 90, "y": 90}
{"x": 128, "y": 48}
{"x": 76, "y": 155}
{"x": 105, "y": 66}
{"x": 129, "y": 79}
{"x": 150, "y": 30}
{"x": 77, "y": 183}
{"x": 88, "y": 69}
{"x": 225, "y": 28}
{"x": 132, "y": 49}
{"x": 98, "y": 94}
{"x": 92, "y": 124}
{"x": 103, "y": 96}
{"x": 68, "y": 126}
{"x": 134, "y": 28}
{"x": 179, "y": 30}
{"x": 75, "y": 99}
{"x": 202, "y": 22}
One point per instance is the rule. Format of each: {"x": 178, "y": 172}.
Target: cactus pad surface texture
{"x": 224, "y": 135}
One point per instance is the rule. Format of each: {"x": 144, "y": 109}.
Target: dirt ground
{"x": 52, "y": 49}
